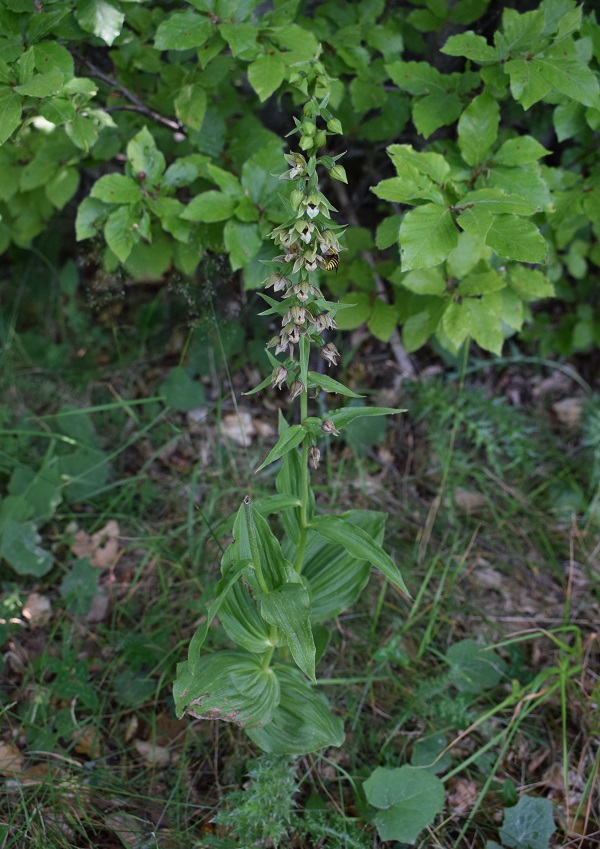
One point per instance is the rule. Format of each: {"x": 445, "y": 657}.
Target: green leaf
{"x": 529, "y": 823}
{"x": 212, "y": 608}
{"x": 486, "y": 322}
{"x": 527, "y": 82}
{"x": 289, "y": 440}
{"x": 240, "y": 617}
{"x": 328, "y": 384}
{"x": 118, "y": 232}
{"x": 481, "y": 283}
{"x": 427, "y": 236}
{"x": 79, "y": 587}
{"x": 388, "y": 231}
{"x": 358, "y": 544}
{"x": 408, "y": 798}
{"x": 435, "y": 110}
{"x": 471, "y": 46}
{"x": 514, "y": 238}
{"x": 343, "y": 417}
{"x": 243, "y": 241}
{"x": 144, "y": 157}
{"x": 336, "y": 579}
{"x": 190, "y": 105}
{"x": 101, "y": 18}
{"x": 182, "y": 31}
{"x": 529, "y": 283}
{"x": 289, "y": 609}
{"x": 475, "y": 668}
{"x": 50, "y": 55}
{"x": 416, "y": 77}
{"x": 228, "y": 685}
{"x": 181, "y": 392}
{"x": 496, "y": 201}
{"x": 569, "y": 76}
{"x": 519, "y": 151}
{"x": 62, "y": 186}
{"x": 43, "y": 85}
{"x": 116, "y": 188}
{"x": 209, "y": 207}
{"x": 302, "y": 722}
{"x": 241, "y": 38}
{"x": 266, "y": 74}
{"x": 20, "y": 547}
{"x": 383, "y": 320}
{"x": 84, "y": 473}
{"x": 478, "y": 128}
{"x": 10, "y": 112}
{"x": 83, "y": 132}
{"x": 456, "y": 323}
{"x": 426, "y": 281}
{"x": 88, "y": 213}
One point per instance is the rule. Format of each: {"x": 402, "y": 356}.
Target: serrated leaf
{"x": 144, "y": 157}
{"x": 266, "y": 74}
{"x": 456, "y": 323}
{"x": 496, "y": 201}
{"x": 82, "y": 131}
{"x": 181, "y": 392}
{"x": 190, "y": 105}
{"x": 116, "y": 188}
{"x": 569, "y": 76}
{"x": 481, "y": 283}
{"x": 209, "y": 207}
{"x": 88, "y": 213}
{"x": 427, "y": 236}
{"x": 415, "y": 77}
{"x": 118, "y": 232}
{"x": 242, "y": 241}
{"x": 427, "y": 281}
{"x": 383, "y": 320}
{"x": 20, "y": 548}
{"x": 359, "y": 545}
{"x": 486, "y": 322}
{"x": 512, "y": 237}
{"x": 519, "y": 151}
{"x": 10, "y": 112}
{"x": 43, "y": 85}
{"x": 529, "y": 823}
{"x": 302, "y": 722}
{"x": 101, "y": 18}
{"x": 471, "y": 46}
{"x": 182, "y": 31}
{"x": 527, "y": 83}
{"x": 62, "y": 186}
{"x": 388, "y": 231}
{"x": 409, "y": 798}
{"x": 435, "y": 110}
{"x": 529, "y": 283}
{"x": 478, "y": 128}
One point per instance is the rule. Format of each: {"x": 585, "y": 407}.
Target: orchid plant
{"x": 275, "y": 595}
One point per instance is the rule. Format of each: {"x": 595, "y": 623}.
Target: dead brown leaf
{"x": 11, "y": 759}
{"x": 37, "y": 610}
{"x": 100, "y": 548}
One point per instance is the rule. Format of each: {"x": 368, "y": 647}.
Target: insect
{"x": 332, "y": 263}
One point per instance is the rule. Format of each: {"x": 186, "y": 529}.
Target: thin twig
{"x": 137, "y": 104}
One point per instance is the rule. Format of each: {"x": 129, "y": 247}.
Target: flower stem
{"x": 304, "y": 489}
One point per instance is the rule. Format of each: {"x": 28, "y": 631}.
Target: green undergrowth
{"x": 478, "y": 691}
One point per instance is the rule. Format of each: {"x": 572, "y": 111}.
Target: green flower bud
{"x": 338, "y": 172}
{"x": 335, "y": 126}
{"x": 296, "y": 198}
{"x": 308, "y": 128}
{"x": 305, "y": 143}
{"x": 320, "y": 138}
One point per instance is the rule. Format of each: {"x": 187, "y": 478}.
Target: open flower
{"x": 330, "y": 353}
{"x": 279, "y": 377}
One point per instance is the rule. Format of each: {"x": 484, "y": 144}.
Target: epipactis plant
{"x": 274, "y": 596}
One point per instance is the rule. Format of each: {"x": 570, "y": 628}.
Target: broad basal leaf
{"x": 408, "y": 798}
{"x": 302, "y": 722}
{"x": 228, "y": 685}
